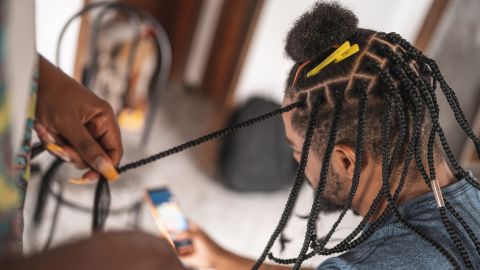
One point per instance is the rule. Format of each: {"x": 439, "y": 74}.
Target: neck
{"x": 414, "y": 187}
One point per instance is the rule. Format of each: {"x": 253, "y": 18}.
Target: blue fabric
{"x": 393, "y": 246}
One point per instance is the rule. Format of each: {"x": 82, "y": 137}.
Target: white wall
{"x": 51, "y": 15}
{"x": 266, "y": 66}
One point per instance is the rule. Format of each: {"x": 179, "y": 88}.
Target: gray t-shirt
{"x": 393, "y": 246}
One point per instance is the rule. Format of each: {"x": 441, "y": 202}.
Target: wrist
{"x": 51, "y": 78}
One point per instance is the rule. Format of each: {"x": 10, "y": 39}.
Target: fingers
{"x": 68, "y": 154}
{"x": 94, "y": 142}
{"x": 57, "y": 147}
{"x": 90, "y": 150}
{"x": 87, "y": 178}
{"x": 105, "y": 130}
{"x": 51, "y": 143}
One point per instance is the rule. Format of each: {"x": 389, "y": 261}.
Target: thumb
{"x": 90, "y": 151}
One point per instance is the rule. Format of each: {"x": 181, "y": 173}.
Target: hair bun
{"x": 326, "y": 25}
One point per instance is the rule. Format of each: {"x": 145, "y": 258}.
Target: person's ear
{"x": 343, "y": 160}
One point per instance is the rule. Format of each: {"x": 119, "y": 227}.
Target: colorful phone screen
{"x": 168, "y": 211}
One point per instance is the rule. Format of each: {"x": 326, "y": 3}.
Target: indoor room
{"x": 253, "y": 134}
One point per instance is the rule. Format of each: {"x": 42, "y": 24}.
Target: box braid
{"x": 391, "y": 75}
{"x": 299, "y": 178}
{"x": 371, "y": 211}
{"x": 386, "y": 172}
{"x": 435, "y": 116}
{"x": 430, "y": 67}
{"x": 402, "y": 220}
{"x": 101, "y": 204}
{"x": 102, "y": 192}
{"x": 407, "y": 95}
{"x": 358, "y": 166}
{"x": 389, "y": 83}
{"x": 342, "y": 247}
{"x": 337, "y": 110}
{"x": 420, "y": 165}
{"x": 447, "y": 90}
{"x": 445, "y": 220}
{"x": 432, "y": 104}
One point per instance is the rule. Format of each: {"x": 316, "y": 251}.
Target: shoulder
{"x": 335, "y": 263}
{"x": 359, "y": 255}
{"x": 392, "y": 247}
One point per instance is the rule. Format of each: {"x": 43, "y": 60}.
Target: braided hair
{"x": 389, "y": 86}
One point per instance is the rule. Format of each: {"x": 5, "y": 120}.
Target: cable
{"x": 45, "y": 184}
{"x": 53, "y": 225}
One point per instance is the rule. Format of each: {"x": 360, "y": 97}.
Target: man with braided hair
{"x": 368, "y": 138}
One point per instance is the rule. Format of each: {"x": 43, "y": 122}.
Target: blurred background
{"x": 227, "y": 64}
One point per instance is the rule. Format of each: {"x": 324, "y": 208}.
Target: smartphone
{"x": 170, "y": 218}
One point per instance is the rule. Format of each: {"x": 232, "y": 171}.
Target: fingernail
{"x": 81, "y": 181}
{"x": 49, "y": 137}
{"x": 106, "y": 169}
{"x": 40, "y": 128}
{"x": 58, "y": 151}
{"x": 44, "y": 134}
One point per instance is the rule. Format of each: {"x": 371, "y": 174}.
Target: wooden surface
{"x": 433, "y": 18}
{"x": 82, "y": 45}
{"x": 231, "y": 41}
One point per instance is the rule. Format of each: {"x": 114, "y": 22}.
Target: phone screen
{"x": 168, "y": 211}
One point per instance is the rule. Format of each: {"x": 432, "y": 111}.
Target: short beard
{"x": 332, "y": 200}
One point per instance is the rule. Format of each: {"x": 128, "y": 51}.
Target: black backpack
{"x": 257, "y": 158}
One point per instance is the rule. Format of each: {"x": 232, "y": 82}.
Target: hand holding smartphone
{"x": 170, "y": 219}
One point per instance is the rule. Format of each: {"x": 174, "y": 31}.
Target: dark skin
{"x": 81, "y": 127}
{"x": 83, "y": 130}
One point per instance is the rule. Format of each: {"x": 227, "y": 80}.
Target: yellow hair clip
{"x": 338, "y": 55}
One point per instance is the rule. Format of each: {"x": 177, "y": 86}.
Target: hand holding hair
{"x": 75, "y": 125}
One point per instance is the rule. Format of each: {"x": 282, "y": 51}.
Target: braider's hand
{"x": 76, "y": 125}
